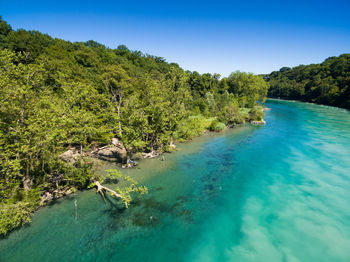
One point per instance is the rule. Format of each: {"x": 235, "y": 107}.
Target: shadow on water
{"x": 147, "y": 212}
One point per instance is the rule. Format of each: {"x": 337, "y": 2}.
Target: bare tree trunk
{"x": 118, "y": 108}
{"x": 101, "y": 189}
{"x": 171, "y": 140}
{"x": 126, "y": 150}
{"x": 27, "y": 183}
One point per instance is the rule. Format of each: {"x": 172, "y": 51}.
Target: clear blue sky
{"x": 206, "y": 36}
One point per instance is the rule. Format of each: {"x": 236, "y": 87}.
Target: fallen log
{"x": 101, "y": 189}
{"x": 98, "y": 149}
{"x": 261, "y": 122}
{"x": 151, "y": 154}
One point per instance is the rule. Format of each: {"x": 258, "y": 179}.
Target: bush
{"x": 192, "y": 126}
{"x": 231, "y": 115}
{"x": 14, "y": 215}
{"x": 216, "y": 126}
{"x": 256, "y": 113}
{"x": 219, "y": 127}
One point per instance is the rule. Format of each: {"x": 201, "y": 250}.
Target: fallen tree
{"x": 123, "y": 192}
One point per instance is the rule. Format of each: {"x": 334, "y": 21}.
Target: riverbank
{"x": 221, "y": 197}
{"x": 306, "y": 102}
{"x": 109, "y": 156}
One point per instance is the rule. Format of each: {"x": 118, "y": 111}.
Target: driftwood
{"x": 129, "y": 165}
{"x": 101, "y": 189}
{"x": 151, "y": 154}
{"x": 262, "y": 122}
{"x": 115, "y": 142}
{"x": 98, "y": 149}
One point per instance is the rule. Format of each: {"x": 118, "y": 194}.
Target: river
{"x": 279, "y": 192}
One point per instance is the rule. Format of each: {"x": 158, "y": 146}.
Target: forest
{"x": 327, "y": 83}
{"x": 56, "y": 95}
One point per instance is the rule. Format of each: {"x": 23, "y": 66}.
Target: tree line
{"x": 327, "y": 83}
{"x": 56, "y": 94}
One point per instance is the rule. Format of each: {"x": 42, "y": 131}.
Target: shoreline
{"x": 150, "y": 165}
{"x": 306, "y": 102}
{"x": 182, "y": 147}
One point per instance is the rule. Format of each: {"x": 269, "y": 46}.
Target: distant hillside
{"x": 327, "y": 83}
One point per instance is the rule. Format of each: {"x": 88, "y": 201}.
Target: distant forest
{"x": 56, "y": 95}
{"x": 327, "y": 83}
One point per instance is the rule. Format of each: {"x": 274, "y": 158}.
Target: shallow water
{"x": 275, "y": 193}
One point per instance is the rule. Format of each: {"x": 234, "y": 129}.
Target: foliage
{"x": 56, "y": 95}
{"x": 17, "y": 211}
{"x": 192, "y": 126}
{"x": 256, "y": 113}
{"x": 129, "y": 186}
{"x": 248, "y": 88}
{"x": 326, "y": 83}
{"x": 216, "y": 126}
{"x": 14, "y": 215}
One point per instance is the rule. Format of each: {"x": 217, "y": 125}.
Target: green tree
{"x": 248, "y": 88}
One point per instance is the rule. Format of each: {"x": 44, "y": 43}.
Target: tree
{"x": 248, "y": 88}
{"x": 124, "y": 193}
{"x": 5, "y": 29}
{"x": 325, "y": 83}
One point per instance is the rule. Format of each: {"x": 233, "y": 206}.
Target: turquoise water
{"x": 275, "y": 193}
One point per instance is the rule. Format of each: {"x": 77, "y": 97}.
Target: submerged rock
{"x": 142, "y": 219}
